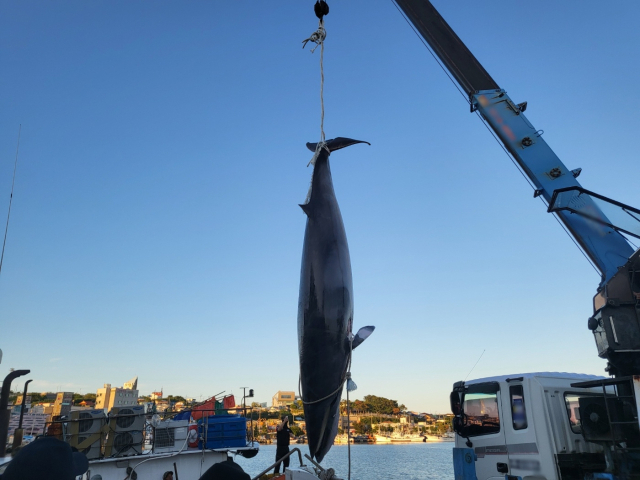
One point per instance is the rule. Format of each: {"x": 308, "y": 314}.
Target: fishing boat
{"x": 408, "y": 438}
{"x": 131, "y": 443}
{"x": 187, "y": 444}
{"x": 382, "y": 438}
{"x": 343, "y": 439}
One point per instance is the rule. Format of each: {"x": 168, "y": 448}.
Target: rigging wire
{"x": 626, "y": 237}
{"x": 524, "y": 175}
{"x": 13, "y": 182}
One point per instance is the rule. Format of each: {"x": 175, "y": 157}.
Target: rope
{"x": 319, "y": 148}
{"x": 349, "y": 433}
{"x": 318, "y": 38}
{"x": 348, "y": 377}
{"x": 324, "y": 35}
{"x": 332, "y": 393}
{"x": 13, "y": 182}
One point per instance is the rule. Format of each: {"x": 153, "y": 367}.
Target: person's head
{"x": 168, "y": 475}
{"x": 285, "y": 419}
{"x": 46, "y": 458}
{"x": 228, "y": 470}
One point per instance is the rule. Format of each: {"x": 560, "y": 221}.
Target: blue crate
{"x": 236, "y": 425}
{"x": 224, "y": 443}
{"x": 214, "y": 427}
{"x": 220, "y": 435}
{"x": 223, "y": 431}
{"x": 223, "y": 423}
{"x": 221, "y": 419}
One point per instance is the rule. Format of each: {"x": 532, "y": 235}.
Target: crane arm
{"x": 606, "y": 248}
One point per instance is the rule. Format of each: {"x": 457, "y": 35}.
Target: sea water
{"x": 411, "y": 461}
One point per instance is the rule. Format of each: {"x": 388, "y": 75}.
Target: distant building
{"x": 156, "y": 395}
{"x": 62, "y": 405}
{"x": 282, "y": 399}
{"x": 19, "y": 400}
{"x": 125, "y": 396}
{"x": 131, "y": 384}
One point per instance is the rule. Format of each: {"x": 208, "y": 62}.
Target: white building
{"x": 125, "y": 396}
{"x": 282, "y": 399}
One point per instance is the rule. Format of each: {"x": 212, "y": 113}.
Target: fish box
{"x": 224, "y": 443}
{"x": 223, "y": 431}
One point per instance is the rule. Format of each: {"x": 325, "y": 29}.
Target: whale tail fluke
{"x": 336, "y": 144}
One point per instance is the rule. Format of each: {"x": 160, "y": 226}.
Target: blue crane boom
{"x": 595, "y": 222}
{"x": 606, "y": 248}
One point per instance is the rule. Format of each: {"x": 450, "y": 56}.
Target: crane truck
{"x": 553, "y": 426}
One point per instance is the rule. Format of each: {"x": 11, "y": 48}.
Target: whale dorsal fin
{"x": 362, "y": 335}
{"x": 336, "y": 143}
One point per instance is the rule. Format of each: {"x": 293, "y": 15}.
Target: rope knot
{"x": 319, "y": 148}
{"x": 316, "y": 37}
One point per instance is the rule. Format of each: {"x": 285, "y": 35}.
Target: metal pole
{"x": 295, "y": 450}
{"x": 4, "y": 413}
{"x": 18, "y": 433}
{"x": 24, "y": 400}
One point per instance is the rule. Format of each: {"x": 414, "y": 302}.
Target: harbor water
{"x": 414, "y": 461}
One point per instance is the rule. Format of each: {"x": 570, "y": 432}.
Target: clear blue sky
{"x": 155, "y": 229}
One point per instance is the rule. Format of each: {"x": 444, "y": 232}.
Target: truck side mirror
{"x": 454, "y": 400}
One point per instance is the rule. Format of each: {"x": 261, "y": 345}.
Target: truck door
{"x": 520, "y": 432}
{"x": 483, "y": 424}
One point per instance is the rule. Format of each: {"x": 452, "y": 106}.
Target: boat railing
{"x": 126, "y": 433}
{"x": 295, "y": 450}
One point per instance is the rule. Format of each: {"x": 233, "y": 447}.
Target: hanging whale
{"x": 325, "y": 305}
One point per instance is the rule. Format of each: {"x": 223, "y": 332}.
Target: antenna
{"x": 6, "y": 229}
{"x": 474, "y": 365}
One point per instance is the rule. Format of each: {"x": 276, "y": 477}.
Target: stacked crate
{"x": 222, "y": 431}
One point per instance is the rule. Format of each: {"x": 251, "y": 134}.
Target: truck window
{"x": 518, "y": 411}
{"x": 573, "y": 411}
{"x": 481, "y": 415}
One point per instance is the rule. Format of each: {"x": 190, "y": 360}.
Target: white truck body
{"x": 525, "y": 425}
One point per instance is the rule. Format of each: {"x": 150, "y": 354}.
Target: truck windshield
{"x": 481, "y": 415}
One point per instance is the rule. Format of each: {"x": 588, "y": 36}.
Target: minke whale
{"x": 325, "y": 305}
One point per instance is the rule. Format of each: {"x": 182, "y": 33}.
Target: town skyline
{"x": 152, "y": 396}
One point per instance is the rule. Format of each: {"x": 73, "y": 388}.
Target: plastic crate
{"x": 223, "y": 431}
{"x": 224, "y": 443}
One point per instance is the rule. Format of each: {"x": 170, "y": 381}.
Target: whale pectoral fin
{"x": 336, "y": 143}
{"x": 305, "y": 208}
{"x": 362, "y": 335}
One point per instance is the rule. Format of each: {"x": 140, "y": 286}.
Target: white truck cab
{"x": 526, "y": 425}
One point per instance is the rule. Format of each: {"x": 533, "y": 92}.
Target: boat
{"x": 410, "y": 438}
{"x": 187, "y": 444}
{"x": 364, "y": 439}
{"x": 382, "y": 438}
{"x": 311, "y": 471}
{"x": 448, "y": 437}
{"x": 343, "y": 439}
{"x": 129, "y": 441}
